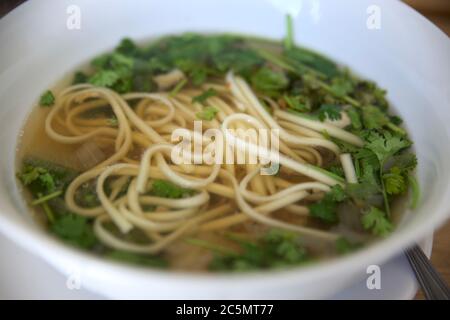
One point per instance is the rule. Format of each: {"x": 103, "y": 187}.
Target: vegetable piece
{"x": 299, "y": 57}
{"x": 202, "y": 98}
{"x": 289, "y": 38}
{"x": 269, "y": 82}
{"x": 47, "y": 99}
{"x": 386, "y": 145}
{"x": 374, "y": 118}
{"x": 297, "y": 103}
{"x": 394, "y": 181}
{"x": 166, "y": 189}
{"x": 341, "y": 86}
{"x": 137, "y": 259}
{"x": 38, "y": 176}
{"x": 178, "y": 87}
{"x": 276, "y": 249}
{"x": 345, "y": 246}
{"x": 329, "y": 111}
{"x": 208, "y": 113}
{"x": 326, "y": 209}
{"x": 376, "y": 221}
{"x": 104, "y": 78}
{"x": 80, "y": 77}
{"x": 354, "y": 118}
{"x": 76, "y": 230}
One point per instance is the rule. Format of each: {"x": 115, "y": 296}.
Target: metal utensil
{"x": 431, "y": 282}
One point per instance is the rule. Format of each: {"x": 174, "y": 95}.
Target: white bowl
{"x": 408, "y": 55}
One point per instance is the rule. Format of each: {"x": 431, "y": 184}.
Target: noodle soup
{"x": 97, "y": 164}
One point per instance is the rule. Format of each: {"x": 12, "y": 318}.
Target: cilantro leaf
{"x": 74, "y": 229}
{"x": 368, "y": 93}
{"x": 137, "y": 259}
{"x": 337, "y": 170}
{"x": 297, "y": 103}
{"x": 47, "y": 99}
{"x": 374, "y": 118}
{"x": 337, "y": 193}
{"x": 404, "y": 161}
{"x": 324, "y": 210}
{"x": 341, "y": 86}
{"x": 366, "y": 188}
{"x": 394, "y": 181}
{"x": 43, "y": 177}
{"x": 202, "y": 98}
{"x": 276, "y": 249}
{"x": 355, "y": 118}
{"x": 104, "y": 78}
{"x": 312, "y": 60}
{"x": 344, "y": 246}
{"x": 376, "y": 221}
{"x": 38, "y": 176}
{"x": 80, "y": 77}
{"x": 166, "y": 189}
{"x": 386, "y": 145}
{"x": 329, "y": 111}
{"x": 208, "y": 113}
{"x": 268, "y": 81}
{"x": 127, "y": 47}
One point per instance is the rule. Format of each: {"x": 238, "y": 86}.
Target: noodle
{"x": 156, "y": 115}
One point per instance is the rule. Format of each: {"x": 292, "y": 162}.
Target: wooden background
{"x": 438, "y": 11}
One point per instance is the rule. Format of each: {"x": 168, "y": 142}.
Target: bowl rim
{"x": 39, "y": 242}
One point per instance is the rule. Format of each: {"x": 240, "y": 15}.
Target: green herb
{"x": 178, "y": 87}
{"x": 289, "y": 39}
{"x": 46, "y": 198}
{"x": 104, "y": 78}
{"x": 269, "y": 82}
{"x": 47, "y": 99}
{"x": 74, "y": 229}
{"x": 374, "y": 118}
{"x": 345, "y": 246}
{"x": 48, "y": 212}
{"x": 80, "y": 77}
{"x": 376, "y": 221}
{"x": 44, "y": 177}
{"x": 341, "y": 86}
{"x": 355, "y": 118}
{"x": 208, "y": 113}
{"x": 86, "y": 195}
{"x": 166, "y": 189}
{"x": 306, "y": 60}
{"x": 329, "y": 111}
{"x": 394, "y": 181}
{"x": 277, "y": 249}
{"x": 38, "y": 176}
{"x": 386, "y": 145}
{"x": 202, "y": 98}
{"x": 297, "y": 103}
{"x": 326, "y": 209}
{"x": 137, "y": 259}
{"x": 210, "y": 246}
{"x": 337, "y": 170}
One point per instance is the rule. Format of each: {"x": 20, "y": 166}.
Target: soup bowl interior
{"x": 410, "y": 59}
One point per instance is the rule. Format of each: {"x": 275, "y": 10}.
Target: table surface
{"x": 438, "y": 11}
